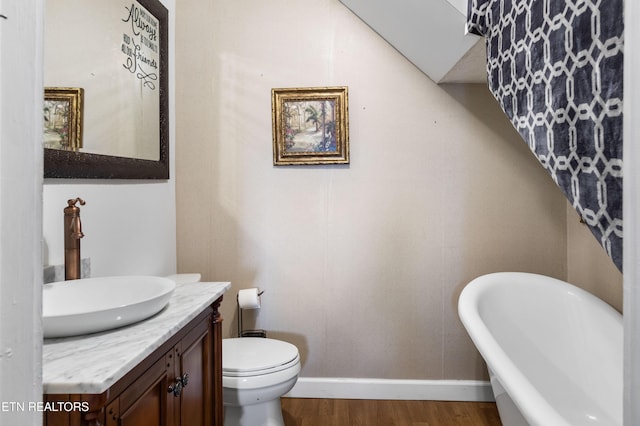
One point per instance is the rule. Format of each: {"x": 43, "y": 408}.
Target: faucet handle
{"x": 73, "y": 202}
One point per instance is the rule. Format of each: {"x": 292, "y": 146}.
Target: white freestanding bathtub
{"x": 554, "y": 351}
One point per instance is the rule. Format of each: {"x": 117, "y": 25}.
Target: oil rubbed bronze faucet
{"x": 72, "y": 235}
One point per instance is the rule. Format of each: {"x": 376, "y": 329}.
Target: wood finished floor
{"x": 355, "y": 412}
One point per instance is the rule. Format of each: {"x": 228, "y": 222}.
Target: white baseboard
{"x": 433, "y": 390}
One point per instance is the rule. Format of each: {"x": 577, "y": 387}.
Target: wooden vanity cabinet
{"x": 179, "y": 384}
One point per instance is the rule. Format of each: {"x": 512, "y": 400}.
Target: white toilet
{"x": 256, "y": 372}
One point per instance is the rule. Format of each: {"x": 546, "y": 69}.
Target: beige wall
{"x": 362, "y": 264}
{"x": 589, "y": 265}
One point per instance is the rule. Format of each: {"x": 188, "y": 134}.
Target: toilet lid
{"x": 254, "y": 354}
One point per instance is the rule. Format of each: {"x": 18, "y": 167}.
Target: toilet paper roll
{"x": 249, "y": 298}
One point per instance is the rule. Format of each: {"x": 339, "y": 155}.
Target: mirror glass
{"x": 106, "y": 85}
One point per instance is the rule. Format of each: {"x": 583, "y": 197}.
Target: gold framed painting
{"x": 310, "y": 125}
{"x": 63, "y": 108}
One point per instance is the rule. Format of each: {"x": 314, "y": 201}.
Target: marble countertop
{"x": 93, "y": 363}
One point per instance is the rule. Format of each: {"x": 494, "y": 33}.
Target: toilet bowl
{"x": 256, "y": 372}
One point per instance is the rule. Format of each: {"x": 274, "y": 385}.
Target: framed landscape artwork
{"x": 63, "y": 118}
{"x": 310, "y": 126}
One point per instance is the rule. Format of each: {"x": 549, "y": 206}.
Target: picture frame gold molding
{"x": 63, "y": 116}
{"x": 310, "y": 125}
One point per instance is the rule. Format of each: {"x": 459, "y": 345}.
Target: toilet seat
{"x": 256, "y": 372}
{"x": 256, "y": 356}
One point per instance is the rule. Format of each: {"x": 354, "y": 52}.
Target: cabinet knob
{"x": 176, "y": 388}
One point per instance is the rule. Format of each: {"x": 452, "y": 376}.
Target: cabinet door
{"x": 195, "y": 359}
{"x": 146, "y": 402}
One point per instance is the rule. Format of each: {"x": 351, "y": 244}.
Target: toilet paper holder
{"x": 247, "y": 333}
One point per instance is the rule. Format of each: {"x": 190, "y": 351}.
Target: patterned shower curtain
{"x": 555, "y": 67}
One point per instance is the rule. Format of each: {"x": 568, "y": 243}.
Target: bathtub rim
{"x": 513, "y": 381}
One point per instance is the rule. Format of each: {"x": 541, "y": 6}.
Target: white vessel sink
{"x": 76, "y": 307}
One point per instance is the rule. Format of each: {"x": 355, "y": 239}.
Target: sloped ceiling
{"x": 430, "y": 34}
